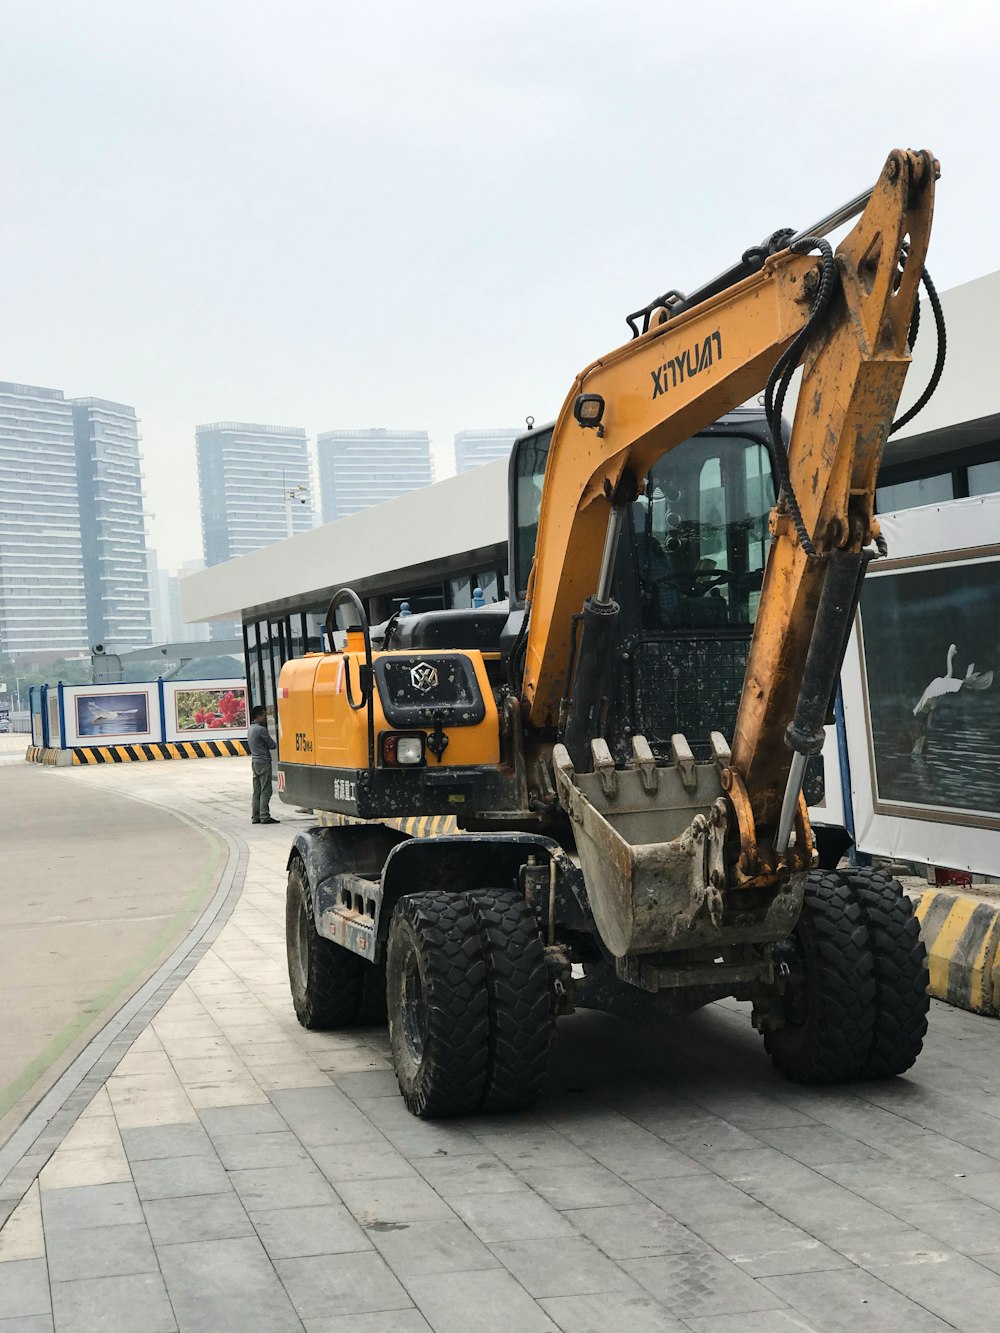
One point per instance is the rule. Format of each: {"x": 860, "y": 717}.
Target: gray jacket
{"x": 261, "y": 744}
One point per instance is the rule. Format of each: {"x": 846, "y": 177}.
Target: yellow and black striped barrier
{"x": 423, "y": 826}
{"x": 126, "y": 754}
{"x": 962, "y": 937}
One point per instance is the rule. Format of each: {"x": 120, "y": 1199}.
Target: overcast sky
{"x": 432, "y": 215}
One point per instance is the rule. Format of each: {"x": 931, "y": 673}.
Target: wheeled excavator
{"x": 620, "y": 750}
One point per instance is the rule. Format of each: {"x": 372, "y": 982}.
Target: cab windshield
{"x": 701, "y": 534}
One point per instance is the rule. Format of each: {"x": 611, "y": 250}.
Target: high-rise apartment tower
{"x": 112, "y": 523}
{"x": 42, "y": 602}
{"x": 473, "y": 447}
{"x": 254, "y": 484}
{"x": 361, "y": 468}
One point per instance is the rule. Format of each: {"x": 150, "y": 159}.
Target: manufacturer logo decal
{"x": 423, "y": 677}
{"x": 687, "y": 364}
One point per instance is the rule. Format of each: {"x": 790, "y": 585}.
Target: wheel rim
{"x": 413, "y": 1008}
{"x": 302, "y": 947}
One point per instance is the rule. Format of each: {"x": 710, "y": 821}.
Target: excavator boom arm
{"x": 681, "y": 375}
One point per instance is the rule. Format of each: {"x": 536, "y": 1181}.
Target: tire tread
{"x": 451, "y": 1077}
{"x": 334, "y": 984}
{"x": 518, "y": 999}
{"x": 900, "y": 969}
{"x": 837, "y": 1045}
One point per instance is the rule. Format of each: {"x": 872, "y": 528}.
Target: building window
{"x": 486, "y": 581}
{"x": 984, "y": 478}
{"x": 911, "y": 494}
{"x": 460, "y": 592}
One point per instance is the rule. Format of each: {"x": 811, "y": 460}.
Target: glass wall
{"x": 951, "y": 475}
{"x": 911, "y": 494}
{"x": 984, "y": 478}
{"x": 267, "y": 646}
{"x": 488, "y": 581}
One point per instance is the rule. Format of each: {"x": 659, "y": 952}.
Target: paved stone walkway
{"x": 91, "y": 902}
{"x": 237, "y": 1172}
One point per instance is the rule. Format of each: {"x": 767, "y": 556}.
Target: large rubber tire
{"x": 517, "y": 999}
{"x": 829, "y": 1004}
{"x": 436, "y": 994}
{"x": 900, "y": 968}
{"x": 325, "y": 979}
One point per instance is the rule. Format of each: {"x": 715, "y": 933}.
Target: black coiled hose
{"x": 781, "y": 375}
{"x": 942, "y": 351}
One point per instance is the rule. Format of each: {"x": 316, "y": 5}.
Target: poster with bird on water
{"x": 930, "y": 636}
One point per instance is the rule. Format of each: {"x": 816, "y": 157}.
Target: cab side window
{"x": 527, "y": 476}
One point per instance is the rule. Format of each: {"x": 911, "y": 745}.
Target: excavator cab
{"x": 688, "y": 575}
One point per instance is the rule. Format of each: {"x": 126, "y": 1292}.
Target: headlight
{"x": 409, "y": 750}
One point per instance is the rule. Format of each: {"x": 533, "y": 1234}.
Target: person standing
{"x": 261, "y": 746}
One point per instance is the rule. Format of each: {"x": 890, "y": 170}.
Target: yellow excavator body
{"x": 328, "y": 745}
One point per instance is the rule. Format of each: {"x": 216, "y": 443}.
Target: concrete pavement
{"x": 235, "y": 1171}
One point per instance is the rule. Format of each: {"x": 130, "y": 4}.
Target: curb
{"x": 962, "y": 937}
{"x": 125, "y": 754}
{"x": 137, "y": 753}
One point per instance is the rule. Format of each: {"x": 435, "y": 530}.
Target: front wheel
{"x": 436, "y": 998}
{"x": 819, "y": 1027}
{"x": 517, "y": 998}
{"x": 900, "y": 971}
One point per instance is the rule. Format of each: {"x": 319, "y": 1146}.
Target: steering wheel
{"x": 696, "y": 584}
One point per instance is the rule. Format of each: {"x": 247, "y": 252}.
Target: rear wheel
{"x": 819, "y": 1028}
{"x": 325, "y": 979}
{"x": 517, "y": 999}
{"x": 371, "y": 1011}
{"x": 438, "y": 1021}
{"x": 900, "y": 971}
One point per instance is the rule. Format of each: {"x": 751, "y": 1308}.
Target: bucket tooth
{"x": 684, "y": 761}
{"x": 721, "y": 752}
{"x": 604, "y": 766}
{"x": 645, "y": 763}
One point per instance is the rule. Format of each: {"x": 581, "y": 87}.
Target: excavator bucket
{"x": 651, "y": 840}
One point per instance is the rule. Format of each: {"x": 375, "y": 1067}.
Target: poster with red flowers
{"x": 211, "y": 710}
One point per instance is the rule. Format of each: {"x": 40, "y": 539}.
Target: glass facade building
{"x": 42, "y": 599}
{"x": 474, "y": 447}
{"x": 361, "y": 468}
{"x": 112, "y": 523}
{"x": 246, "y": 476}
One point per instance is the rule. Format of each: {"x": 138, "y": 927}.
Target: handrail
{"x": 367, "y": 677}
